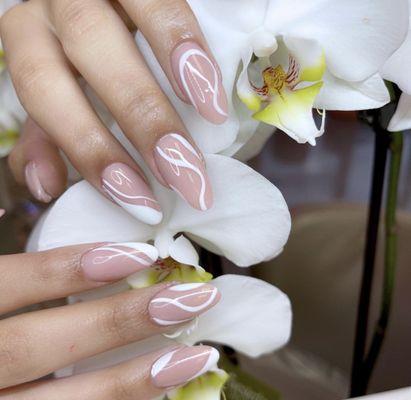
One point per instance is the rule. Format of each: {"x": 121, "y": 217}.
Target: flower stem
{"x": 382, "y": 142}
{"x": 390, "y": 257}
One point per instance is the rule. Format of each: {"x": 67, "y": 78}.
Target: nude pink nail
{"x": 129, "y": 190}
{"x": 181, "y": 366}
{"x": 182, "y": 303}
{"x": 35, "y": 179}
{"x": 2, "y": 212}
{"x": 182, "y": 167}
{"x": 198, "y": 78}
{"x": 115, "y": 261}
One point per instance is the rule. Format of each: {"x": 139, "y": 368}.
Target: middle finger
{"x": 92, "y": 34}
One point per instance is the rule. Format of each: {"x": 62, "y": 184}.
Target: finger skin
{"x": 50, "y": 93}
{"x": 141, "y": 378}
{"x": 91, "y": 32}
{"x": 35, "y": 344}
{"x": 35, "y": 277}
{"x": 35, "y": 147}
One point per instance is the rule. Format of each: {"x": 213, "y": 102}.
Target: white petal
{"x": 337, "y": 94}
{"x": 401, "y": 120}
{"x": 83, "y": 215}
{"x": 253, "y": 317}
{"x": 249, "y": 221}
{"x": 184, "y": 252}
{"x": 357, "y": 36}
{"x": 397, "y": 68}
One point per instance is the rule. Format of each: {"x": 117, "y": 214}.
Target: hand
{"x": 35, "y": 344}
{"x": 48, "y": 42}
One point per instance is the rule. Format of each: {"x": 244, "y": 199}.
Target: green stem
{"x": 390, "y": 257}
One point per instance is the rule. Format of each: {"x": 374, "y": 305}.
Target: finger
{"x": 36, "y": 344}
{"x": 31, "y": 278}
{"x": 36, "y": 162}
{"x": 51, "y": 95}
{"x": 145, "y": 378}
{"x": 92, "y": 33}
{"x": 179, "y": 45}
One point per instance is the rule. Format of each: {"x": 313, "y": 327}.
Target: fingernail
{"x": 181, "y": 366}
{"x": 129, "y": 190}
{"x": 2, "y": 212}
{"x": 182, "y": 167}
{"x": 182, "y": 303}
{"x": 115, "y": 261}
{"x": 199, "y": 80}
{"x": 34, "y": 175}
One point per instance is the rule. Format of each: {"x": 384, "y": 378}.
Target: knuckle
{"x": 166, "y": 11}
{"x": 79, "y": 18}
{"x": 119, "y": 321}
{"x": 32, "y": 76}
{"x": 146, "y": 103}
{"x": 123, "y": 389}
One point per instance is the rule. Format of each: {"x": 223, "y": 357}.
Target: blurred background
{"x": 327, "y": 188}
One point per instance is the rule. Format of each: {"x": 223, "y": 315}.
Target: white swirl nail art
{"x": 183, "y": 169}
{"x": 196, "y": 84}
{"x": 182, "y": 303}
{"x": 128, "y": 190}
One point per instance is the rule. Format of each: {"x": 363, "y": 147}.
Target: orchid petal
{"x": 292, "y": 113}
{"x": 337, "y": 94}
{"x": 83, "y": 215}
{"x": 245, "y": 91}
{"x": 184, "y": 252}
{"x": 206, "y": 387}
{"x": 249, "y": 221}
{"x": 401, "y": 120}
{"x": 356, "y": 36}
{"x": 260, "y": 311}
{"x": 397, "y": 68}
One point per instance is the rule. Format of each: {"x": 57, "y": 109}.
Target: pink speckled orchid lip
{"x": 200, "y": 80}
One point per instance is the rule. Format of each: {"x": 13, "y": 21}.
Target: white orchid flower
{"x": 397, "y": 70}
{"x": 284, "y": 58}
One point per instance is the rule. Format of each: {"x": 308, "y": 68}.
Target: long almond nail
{"x": 129, "y": 190}
{"x": 199, "y": 80}
{"x": 34, "y": 175}
{"x": 184, "y": 171}
{"x": 183, "y": 365}
{"x": 182, "y": 303}
{"x": 111, "y": 262}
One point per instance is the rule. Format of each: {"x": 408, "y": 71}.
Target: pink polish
{"x": 182, "y": 167}
{"x": 129, "y": 190}
{"x": 181, "y": 366}
{"x": 115, "y": 261}
{"x": 35, "y": 179}
{"x": 198, "y": 78}
{"x": 2, "y": 212}
{"x": 182, "y": 303}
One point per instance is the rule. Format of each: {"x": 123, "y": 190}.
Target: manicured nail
{"x": 182, "y": 167}
{"x": 182, "y": 303}
{"x": 115, "y": 261}
{"x": 183, "y": 365}
{"x": 129, "y": 190}
{"x": 2, "y": 212}
{"x": 199, "y": 80}
{"x": 34, "y": 177}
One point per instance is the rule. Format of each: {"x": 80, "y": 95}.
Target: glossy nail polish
{"x": 182, "y": 167}
{"x": 182, "y": 303}
{"x": 115, "y": 261}
{"x": 181, "y": 366}
{"x": 200, "y": 81}
{"x": 129, "y": 190}
{"x": 35, "y": 176}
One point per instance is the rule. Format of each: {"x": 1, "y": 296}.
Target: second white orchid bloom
{"x": 286, "y": 58}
